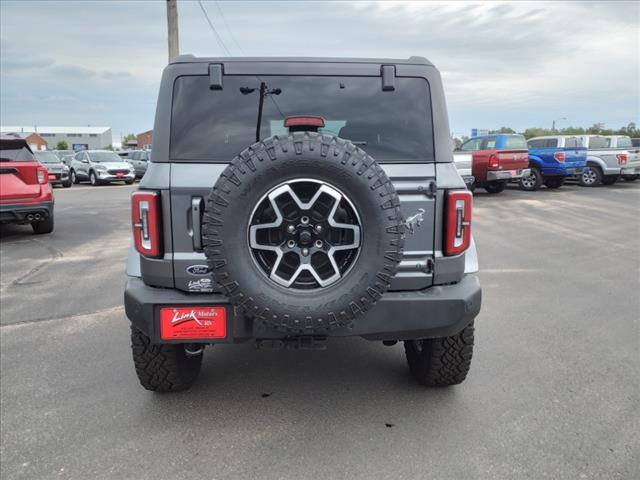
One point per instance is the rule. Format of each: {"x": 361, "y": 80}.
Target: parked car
{"x": 628, "y": 154}
{"x": 552, "y": 159}
{"x": 463, "y": 166}
{"x": 25, "y": 192}
{"x": 58, "y": 171}
{"x": 101, "y": 166}
{"x": 635, "y": 142}
{"x": 604, "y": 163}
{"x": 64, "y": 156}
{"x": 495, "y": 159}
{"x": 139, "y": 159}
{"x": 288, "y": 230}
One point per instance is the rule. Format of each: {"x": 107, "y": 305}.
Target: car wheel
{"x": 129, "y": 182}
{"x": 163, "y": 368}
{"x": 554, "y": 182}
{"x": 591, "y": 176}
{"x": 610, "y": 179}
{"x": 93, "y": 179}
{"x": 495, "y": 187}
{"x": 67, "y": 184}
{"x": 322, "y": 266}
{"x": 44, "y": 226}
{"x": 531, "y": 182}
{"x": 441, "y": 361}
{"x": 74, "y": 177}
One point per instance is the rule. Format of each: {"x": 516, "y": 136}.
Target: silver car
{"x": 139, "y": 159}
{"x": 101, "y": 166}
{"x": 58, "y": 171}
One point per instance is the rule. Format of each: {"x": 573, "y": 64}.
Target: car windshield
{"x": 46, "y": 157}
{"x": 515, "y": 141}
{"x": 216, "y": 125}
{"x": 103, "y": 157}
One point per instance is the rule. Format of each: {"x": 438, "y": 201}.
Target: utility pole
{"x": 172, "y": 28}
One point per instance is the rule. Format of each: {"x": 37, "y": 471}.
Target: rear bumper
{"x": 564, "y": 171}
{"x": 18, "y": 213}
{"x": 438, "y": 311}
{"x": 493, "y": 175}
{"x": 631, "y": 170}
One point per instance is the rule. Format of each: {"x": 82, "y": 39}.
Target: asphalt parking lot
{"x": 553, "y": 390}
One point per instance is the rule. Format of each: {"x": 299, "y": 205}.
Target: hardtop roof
{"x": 414, "y": 60}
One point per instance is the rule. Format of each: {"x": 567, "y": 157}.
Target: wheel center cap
{"x": 305, "y": 238}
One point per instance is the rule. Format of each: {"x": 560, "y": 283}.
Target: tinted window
{"x": 537, "y": 143}
{"x": 515, "y": 141}
{"x": 216, "y": 125}
{"x": 572, "y": 142}
{"x": 598, "y": 142}
{"x": 46, "y": 157}
{"x": 473, "y": 144}
{"x": 490, "y": 143}
{"x": 624, "y": 142}
{"x": 11, "y": 152}
{"x": 551, "y": 143}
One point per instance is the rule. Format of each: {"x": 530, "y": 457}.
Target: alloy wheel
{"x": 305, "y": 234}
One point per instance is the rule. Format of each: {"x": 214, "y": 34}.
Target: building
{"x": 35, "y": 141}
{"x": 77, "y": 138}
{"x": 145, "y": 139}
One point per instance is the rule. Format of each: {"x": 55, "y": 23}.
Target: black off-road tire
{"x": 554, "y": 182}
{"x": 441, "y": 361}
{"x": 44, "y": 226}
{"x": 535, "y": 184}
{"x": 255, "y": 172}
{"x": 495, "y": 187}
{"x": 165, "y": 367}
{"x": 610, "y": 179}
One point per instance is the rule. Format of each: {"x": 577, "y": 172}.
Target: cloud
{"x": 517, "y": 64}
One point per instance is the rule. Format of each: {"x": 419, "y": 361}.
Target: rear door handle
{"x": 196, "y": 222}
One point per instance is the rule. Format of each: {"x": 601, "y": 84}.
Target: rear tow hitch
{"x": 305, "y": 342}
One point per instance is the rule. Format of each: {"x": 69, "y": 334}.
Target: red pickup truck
{"x": 25, "y": 193}
{"x": 496, "y": 160}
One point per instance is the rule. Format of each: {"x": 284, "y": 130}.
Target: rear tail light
{"x": 458, "y": 226}
{"x": 559, "y": 156}
{"x": 622, "y": 158}
{"x": 43, "y": 175}
{"x": 494, "y": 161}
{"x": 303, "y": 121}
{"x": 146, "y": 220}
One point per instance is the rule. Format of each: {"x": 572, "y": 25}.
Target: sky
{"x": 520, "y": 64}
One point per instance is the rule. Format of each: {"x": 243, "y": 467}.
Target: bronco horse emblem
{"x": 414, "y": 221}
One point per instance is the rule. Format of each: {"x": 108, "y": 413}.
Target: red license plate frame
{"x": 193, "y": 322}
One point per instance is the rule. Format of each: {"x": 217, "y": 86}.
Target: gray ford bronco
{"x": 294, "y": 199}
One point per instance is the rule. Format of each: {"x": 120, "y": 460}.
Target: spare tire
{"x": 303, "y": 232}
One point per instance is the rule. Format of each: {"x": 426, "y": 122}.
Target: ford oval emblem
{"x": 198, "y": 269}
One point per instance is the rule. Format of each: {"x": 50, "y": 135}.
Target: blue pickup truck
{"x": 552, "y": 159}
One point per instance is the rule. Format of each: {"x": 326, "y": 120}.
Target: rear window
{"x": 572, "y": 142}
{"x": 598, "y": 142}
{"x": 537, "y": 143}
{"x": 624, "y": 142}
{"x": 515, "y": 141}
{"x": 216, "y": 125}
{"x": 10, "y": 152}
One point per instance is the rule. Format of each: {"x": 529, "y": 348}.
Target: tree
{"x": 62, "y": 145}
{"x": 503, "y": 130}
{"x": 128, "y": 138}
{"x": 108, "y": 147}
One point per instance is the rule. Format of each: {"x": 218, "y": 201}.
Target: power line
{"x": 224, "y": 20}
{"x": 218, "y": 37}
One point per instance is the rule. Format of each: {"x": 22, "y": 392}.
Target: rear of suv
{"x": 25, "y": 192}
{"x": 293, "y": 200}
